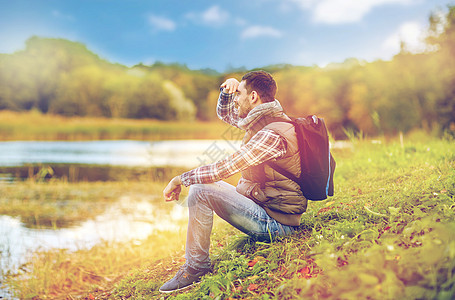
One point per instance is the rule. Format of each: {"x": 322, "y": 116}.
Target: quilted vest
{"x": 278, "y": 195}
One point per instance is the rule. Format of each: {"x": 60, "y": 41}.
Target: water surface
{"x": 186, "y": 153}
{"x": 124, "y": 221}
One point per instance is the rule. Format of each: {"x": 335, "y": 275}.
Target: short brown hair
{"x": 261, "y": 82}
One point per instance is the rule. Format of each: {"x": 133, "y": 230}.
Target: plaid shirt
{"x": 263, "y": 146}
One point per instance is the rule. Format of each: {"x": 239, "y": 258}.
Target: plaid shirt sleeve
{"x": 263, "y": 146}
{"x": 225, "y": 109}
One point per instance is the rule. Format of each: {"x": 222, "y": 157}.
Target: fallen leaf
{"x": 252, "y": 287}
{"x": 304, "y": 272}
{"x": 325, "y": 209}
{"x": 237, "y": 289}
{"x": 251, "y": 263}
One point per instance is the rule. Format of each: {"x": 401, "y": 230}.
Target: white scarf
{"x": 258, "y": 112}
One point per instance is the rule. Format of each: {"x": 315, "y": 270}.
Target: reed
{"x": 37, "y": 126}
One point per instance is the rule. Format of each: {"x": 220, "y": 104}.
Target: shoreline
{"x": 35, "y": 126}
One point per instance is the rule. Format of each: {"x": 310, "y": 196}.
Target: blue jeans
{"x": 238, "y": 210}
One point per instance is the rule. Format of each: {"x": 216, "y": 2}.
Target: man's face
{"x": 242, "y": 100}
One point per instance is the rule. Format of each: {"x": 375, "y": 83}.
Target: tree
{"x": 442, "y": 36}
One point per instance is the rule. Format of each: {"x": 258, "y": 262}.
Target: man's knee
{"x": 196, "y": 188}
{"x": 201, "y": 192}
{"x": 199, "y": 188}
{"x": 194, "y": 193}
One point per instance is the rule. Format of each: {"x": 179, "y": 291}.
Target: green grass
{"x": 36, "y": 126}
{"x": 388, "y": 233}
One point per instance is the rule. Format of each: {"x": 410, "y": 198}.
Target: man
{"x": 265, "y": 204}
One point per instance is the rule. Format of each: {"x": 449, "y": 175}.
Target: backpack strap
{"x": 260, "y": 125}
{"x": 266, "y": 120}
{"x": 283, "y": 171}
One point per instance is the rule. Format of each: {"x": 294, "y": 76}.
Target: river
{"x": 187, "y": 153}
{"x": 127, "y": 220}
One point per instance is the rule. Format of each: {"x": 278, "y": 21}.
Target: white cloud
{"x": 260, "y": 31}
{"x": 342, "y": 11}
{"x": 159, "y": 23}
{"x": 213, "y": 16}
{"x": 412, "y": 34}
{"x": 338, "y": 11}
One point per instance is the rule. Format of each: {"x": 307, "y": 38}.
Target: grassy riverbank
{"x": 389, "y": 233}
{"x": 40, "y": 127}
{"x": 59, "y": 204}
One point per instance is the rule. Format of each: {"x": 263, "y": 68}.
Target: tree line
{"x": 58, "y": 76}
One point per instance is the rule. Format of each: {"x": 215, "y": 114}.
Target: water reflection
{"x": 184, "y": 153}
{"x": 98, "y": 160}
{"x": 18, "y": 153}
{"x": 178, "y": 153}
{"x": 124, "y": 221}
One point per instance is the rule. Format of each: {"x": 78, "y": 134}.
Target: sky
{"x": 224, "y": 34}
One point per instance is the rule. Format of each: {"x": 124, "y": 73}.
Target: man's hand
{"x": 230, "y": 85}
{"x": 173, "y": 189}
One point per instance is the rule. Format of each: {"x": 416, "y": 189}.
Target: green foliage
{"x": 136, "y": 286}
{"x": 412, "y": 91}
{"x": 389, "y": 233}
{"x": 62, "y": 77}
